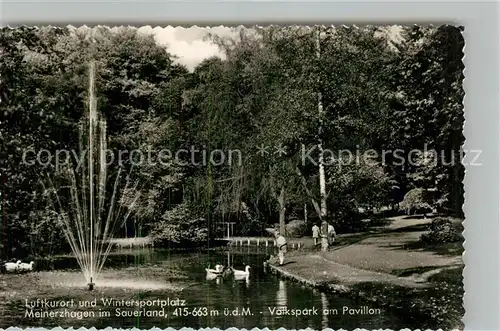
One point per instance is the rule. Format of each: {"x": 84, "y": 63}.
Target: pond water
{"x": 178, "y": 278}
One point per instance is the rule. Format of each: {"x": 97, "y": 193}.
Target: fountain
{"x": 88, "y": 216}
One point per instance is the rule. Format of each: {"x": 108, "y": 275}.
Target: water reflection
{"x": 324, "y": 305}
{"x": 243, "y": 278}
{"x": 108, "y": 279}
{"x": 211, "y": 276}
{"x": 281, "y": 297}
{"x": 167, "y": 273}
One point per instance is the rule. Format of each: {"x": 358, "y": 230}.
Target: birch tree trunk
{"x": 322, "y": 180}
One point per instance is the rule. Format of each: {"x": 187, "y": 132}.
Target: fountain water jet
{"x": 86, "y": 226}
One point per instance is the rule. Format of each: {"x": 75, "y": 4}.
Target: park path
{"x": 373, "y": 257}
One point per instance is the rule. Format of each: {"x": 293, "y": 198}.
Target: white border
{"x": 482, "y": 207}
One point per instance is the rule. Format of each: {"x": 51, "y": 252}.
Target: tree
{"x": 431, "y": 74}
{"x": 415, "y": 200}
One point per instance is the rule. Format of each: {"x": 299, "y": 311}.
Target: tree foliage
{"x": 288, "y": 89}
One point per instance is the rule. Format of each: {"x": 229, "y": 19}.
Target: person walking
{"x": 282, "y": 246}
{"x": 315, "y": 232}
{"x": 324, "y": 235}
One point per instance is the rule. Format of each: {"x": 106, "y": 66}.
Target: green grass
{"x": 449, "y": 249}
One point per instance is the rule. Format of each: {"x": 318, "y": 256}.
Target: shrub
{"x": 296, "y": 228}
{"x": 348, "y": 221}
{"x": 180, "y": 227}
{"x": 441, "y": 231}
{"x": 416, "y": 199}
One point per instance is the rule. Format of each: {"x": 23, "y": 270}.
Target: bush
{"x": 441, "y": 231}
{"x": 180, "y": 227}
{"x": 296, "y": 229}
{"x": 348, "y": 221}
{"x": 416, "y": 200}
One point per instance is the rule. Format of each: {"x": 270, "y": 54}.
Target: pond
{"x": 178, "y": 281}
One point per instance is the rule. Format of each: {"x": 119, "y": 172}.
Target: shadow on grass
{"x": 360, "y": 237}
{"x": 446, "y": 249}
{"x": 286, "y": 263}
{"x": 412, "y": 271}
{"x": 378, "y": 222}
{"x": 416, "y": 217}
{"x": 410, "y": 228}
{"x": 353, "y": 239}
{"x": 452, "y": 275}
{"x": 380, "y": 227}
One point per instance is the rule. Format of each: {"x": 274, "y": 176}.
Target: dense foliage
{"x": 441, "y": 230}
{"x": 296, "y": 91}
{"x": 179, "y": 226}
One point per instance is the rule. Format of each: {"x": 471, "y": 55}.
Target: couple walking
{"x": 327, "y": 234}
